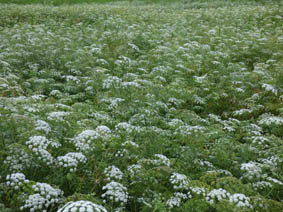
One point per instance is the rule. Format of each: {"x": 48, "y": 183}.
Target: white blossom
{"x": 198, "y": 190}
{"x": 16, "y": 179}
{"x": 217, "y": 195}
{"x": 241, "y": 200}
{"x": 161, "y": 160}
{"x": 84, "y": 139}
{"x": 57, "y": 116}
{"x": 116, "y": 192}
{"x": 82, "y": 205}
{"x": 113, "y": 173}
{"x": 251, "y": 170}
{"x": 42, "y": 125}
{"x": 179, "y": 181}
{"x": 39, "y": 145}
{"x": 270, "y": 120}
{"x": 260, "y": 185}
{"x": 133, "y": 169}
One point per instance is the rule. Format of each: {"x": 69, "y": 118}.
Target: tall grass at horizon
{"x": 187, "y": 3}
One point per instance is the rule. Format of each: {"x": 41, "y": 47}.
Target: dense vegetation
{"x": 135, "y": 106}
{"x": 187, "y": 3}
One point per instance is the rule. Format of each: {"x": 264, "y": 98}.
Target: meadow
{"x": 151, "y": 106}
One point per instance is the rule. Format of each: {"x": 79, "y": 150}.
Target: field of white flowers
{"x": 123, "y": 107}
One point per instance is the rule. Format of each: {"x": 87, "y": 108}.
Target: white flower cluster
{"x": 222, "y": 171}
{"x": 188, "y": 130}
{"x": 15, "y": 180}
{"x": 34, "y": 202}
{"x": 271, "y": 162}
{"x": 260, "y": 185}
{"x": 179, "y": 181}
{"x": 42, "y": 126}
{"x": 56, "y": 93}
{"x": 121, "y": 153}
{"x": 254, "y": 129}
{"x": 130, "y": 84}
{"x": 84, "y": 139}
{"x": 114, "y": 102}
{"x": 204, "y": 163}
{"x": 228, "y": 126}
{"x": 251, "y": 170}
{"x": 38, "y": 97}
{"x": 71, "y": 78}
{"x": 126, "y": 127}
{"x": 31, "y": 109}
{"x": 113, "y": 173}
{"x": 215, "y": 118}
{"x": 67, "y": 162}
{"x": 242, "y": 112}
{"x": 57, "y": 116}
{"x": 240, "y": 200}
{"x": 131, "y": 143}
{"x": 82, "y": 206}
{"x": 268, "y": 87}
{"x": 175, "y": 101}
{"x": 259, "y": 140}
{"x": 47, "y": 190}
{"x": 161, "y": 160}
{"x": 39, "y": 145}
{"x": 123, "y": 60}
{"x": 217, "y": 195}
{"x": 259, "y": 202}
{"x": 102, "y": 117}
{"x": 270, "y": 120}
{"x": 199, "y": 190}
{"x": 133, "y": 169}
{"x": 273, "y": 180}
{"x": 183, "y": 196}
{"x": 71, "y": 160}
{"x": 116, "y": 192}
{"x": 157, "y": 130}
{"x": 111, "y": 81}
{"x": 18, "y": 160}
{"x": 77, "y": 156}
{"x": 103, "y": 131}
{"x": 40, "y": 142}
{"x": 45, "y": 196}
{"x": 173, "y": 202}
{"x": 176, "y": 200}
{"x": 175, "y": 122}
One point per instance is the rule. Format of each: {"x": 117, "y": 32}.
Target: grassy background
{"x": 213, "y": 61}
{"x": 188, "y": 3}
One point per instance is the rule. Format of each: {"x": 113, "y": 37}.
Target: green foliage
{"x": 233, "y": 185}
{"x": 184, "y": 3}
{"x": 141, "y": 105}
{"x": 196, "y": 205}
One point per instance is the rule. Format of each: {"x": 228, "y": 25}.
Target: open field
{"x": 141, "y": 106}
{"x": 184, "y": 3}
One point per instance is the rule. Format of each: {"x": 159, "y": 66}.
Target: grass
{"x": 134, "y": 106}
{"x": 186, "y": 3}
